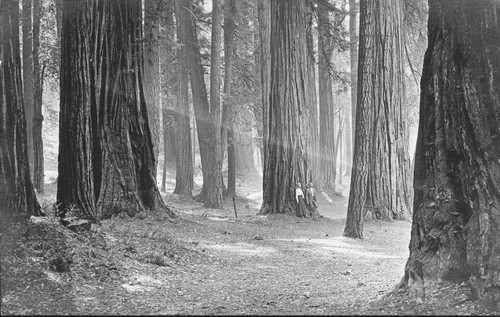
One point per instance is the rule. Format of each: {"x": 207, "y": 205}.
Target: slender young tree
{"x": 184, "y": 171}
{"x": 106, "y": 159}
{"x": 285, "y": 134}
{"x": 380, "y": 172}
{"x": 16, "y": 189}
{"x": 455, "y": 236}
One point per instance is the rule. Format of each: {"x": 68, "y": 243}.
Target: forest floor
{"x": 207, "y": 261}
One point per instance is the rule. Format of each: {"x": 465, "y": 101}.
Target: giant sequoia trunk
{"x": 184, "y": 167}
{"x": 353, "y": 39}
{"x": 455, "y": 232}
{"x": 326, "y": 105}
{"x": 106, "y": 159}
{"x": 380, "y": 172}
{"x": 16, "y": 190}
{"x": 285, "y": 135}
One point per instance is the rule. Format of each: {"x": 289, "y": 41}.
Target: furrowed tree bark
{"x": 184, "y": 170}
{"x": 38, "y": 73}
{"x": 326, "y": 105}
{"x": 16, "y": 189}
{"x": 106, "y": 160}
{"x": 152, "y": 14}
{"x": 28, "y": 77}
{"x": 78, "y": 145}
{"x": 380, "y": 172}
{"x": 455, "y": 234}
{"x": 286, "y": 132}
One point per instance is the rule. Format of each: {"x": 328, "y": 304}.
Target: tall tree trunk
{"x": 353, "y": 52}
{"x": 455, "y": 234}
{"x": 380, "y": 172}
{"x": 227, "y": 111}
{"x": 326, "y": 105}
{"x": 16, "y": 190}
{"x": 206, "y": 115}
{"x": 152, "y": 86}
{"x": 106, "y": 159}
{"x": 314, "y": 137}
{"x": 286, "y": 132}
{"x": 213, "y": 163}
{"x": 264, "y": 17}
{"x": 38, "y": 168}
{"x": 184, "y": 170}
{"x": 28, "y": 77}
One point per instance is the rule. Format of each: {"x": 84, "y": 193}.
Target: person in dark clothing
{"x": 302, "y": 210}
{"x": 311, "y": 201}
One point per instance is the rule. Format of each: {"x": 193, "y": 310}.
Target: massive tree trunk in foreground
{"x": 455, "y": 232}
{"x": 380, "y": 172}
{"x": 17, "y": 194}
{"x": 106, "y": 159}
{"x": 285, "y": 136}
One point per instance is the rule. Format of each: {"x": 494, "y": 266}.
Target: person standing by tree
{"x": 311, "y": 201}
{"x": 301, "y": 204}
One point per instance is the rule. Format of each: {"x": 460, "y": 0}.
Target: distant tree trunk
{"x": 326, "y": 105}
{"x": 455, "y": 234}
{"x": 227, "y": 111}
{"x": 264, "y": 17}
{"x": 152, "y": 86}
{"x": 206, "y": 115}
{"x": 28, "y": 78}
{"x": 351, "y": 119}
{"x": 16, "y": 190}
{"x": 286, "y": 132}
{"x": 213, "y": 163}
{"x": 184, "y": 170}
{"x": 38, "y": 168}
{"x": 314, "y": 138}
{"x": 106, "y": 159}
{"x": 380, "y": 172}
{"x": 243, "y": 140}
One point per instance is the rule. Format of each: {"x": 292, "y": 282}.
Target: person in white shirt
{"x": 302, "y": 210}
